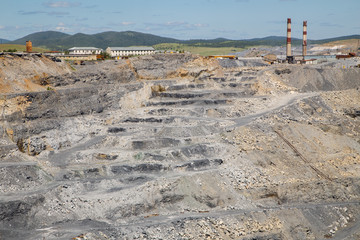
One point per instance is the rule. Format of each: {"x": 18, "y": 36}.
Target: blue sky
{"x": 182, "y": 19}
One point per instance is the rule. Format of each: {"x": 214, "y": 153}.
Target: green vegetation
{"x": 61, "y": 41}
{"x": 138, "y": 156}
{"x": 105, "y": 55}
{"x": 270, "y": 41}
{"x": 197, "y": 49}
{"x": 206, "y": 51}
{"x": 335, "y": 39}
{"x": 10, "y": 50}
{"x": 19, "y": 48}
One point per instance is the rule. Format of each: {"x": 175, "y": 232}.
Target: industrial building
{"x": 129, "y": 51}
{"x": 84, "y": 50}
{"x": 54, "y": 53}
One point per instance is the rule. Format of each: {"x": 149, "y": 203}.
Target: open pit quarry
{"x": 178, "y": 147}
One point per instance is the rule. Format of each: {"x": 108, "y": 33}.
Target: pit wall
{"x": 25, "y": 73}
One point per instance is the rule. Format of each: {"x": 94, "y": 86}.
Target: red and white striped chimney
{"x": 304, "y": 38}
{"x": 288, "y": 41}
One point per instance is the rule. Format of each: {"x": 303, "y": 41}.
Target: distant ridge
{"x": 337, "y": 39}
{"x": 4, "y": 41}
{"x": 58, "y": 40}
{"x": 61, "y": 41}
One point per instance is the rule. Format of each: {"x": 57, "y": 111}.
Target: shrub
{"x": 10, "y": 50}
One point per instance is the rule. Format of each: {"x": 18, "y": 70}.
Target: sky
{"x": 182, "y": 19}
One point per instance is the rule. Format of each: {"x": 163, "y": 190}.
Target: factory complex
{"x": 274, "y": 55}
{"x": 93, "y": 53}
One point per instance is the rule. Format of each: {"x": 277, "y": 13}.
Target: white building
{"x": 129, "y": 51}
{"x": 85, "y": 50}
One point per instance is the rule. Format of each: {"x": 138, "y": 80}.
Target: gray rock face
{"x": 181, "y": 147}
{"x": 159, "y": 66}
{"x": 319, "y": 79}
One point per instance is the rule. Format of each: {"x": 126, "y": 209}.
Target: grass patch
{"x": 201, "y": 50}
{"x": 20, "y": 48}
{"x": 206, "y": 51}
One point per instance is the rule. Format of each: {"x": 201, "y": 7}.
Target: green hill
{"x": 61, "y": 41}
{"x": 335, "y": 39}
{"x": 3, "y": 41}
{"x": 42, "y": 39}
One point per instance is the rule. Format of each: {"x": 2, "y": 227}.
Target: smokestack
{"x": 28, "y": 46}
{"x": 304, "y": 38}
{"x": 288, "y": 41}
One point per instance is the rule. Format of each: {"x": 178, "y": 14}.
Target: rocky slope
{"x": 180, "y": 147}
{"x": 24, "y": 73}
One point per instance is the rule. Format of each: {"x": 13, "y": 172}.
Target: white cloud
{"x": 60, "y": 4}
{"x": 175, "y": 23}
{"x": 127, "y": 23}
{"x": 200, "y": 25}
{"x": 61, "y": 27}
{"x": 121, "y": 24}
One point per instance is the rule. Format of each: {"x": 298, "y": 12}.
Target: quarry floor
{"x": 178, "y": 147}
